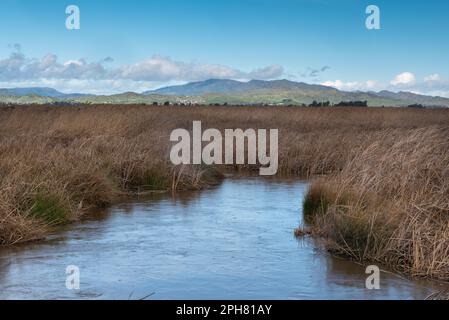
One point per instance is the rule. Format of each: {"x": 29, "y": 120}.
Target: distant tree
{"x": 352, "y": 104}
{"x": 320, "y": 104}
{"x": 313, "y": 104}
{"x": 166, "y": 103}
{"x": 416, "y": 105}
{"x": 155, "y": 103}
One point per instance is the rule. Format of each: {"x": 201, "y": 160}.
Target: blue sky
{"x": 137, "y": 45}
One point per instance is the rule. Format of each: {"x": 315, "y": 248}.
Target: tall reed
{"x": 58, "y": 163}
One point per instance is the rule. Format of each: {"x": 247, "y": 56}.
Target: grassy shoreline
{"x": 379, "y": 189}
{"x": 389, "y": 204}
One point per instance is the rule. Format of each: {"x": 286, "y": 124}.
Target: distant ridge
{"x": 39, "y": 91}
{"x": 225, "y": 86}
{"x": 220, "y": 91}
{"x": 286, "y": 91}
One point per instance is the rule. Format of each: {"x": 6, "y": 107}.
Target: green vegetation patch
{"x": 48, "y": 208}
{"x": 153, "y": 180}
{"x": 315, "y": 202}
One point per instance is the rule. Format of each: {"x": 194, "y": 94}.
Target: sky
{"x": 140, "y": 45}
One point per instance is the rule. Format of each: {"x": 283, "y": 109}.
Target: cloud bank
{"x": 81, "y": 75}
{"x": 404, "y": 78}
{"x": 18, "y": 68}
{"x": 432, "y": 84}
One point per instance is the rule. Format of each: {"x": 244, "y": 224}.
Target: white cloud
{"x": 17, "y": 68}
{"x": 158, "y": 68}
{"x": 433, "y": 85}
{"x": 81, "y": 75}
{"x": 75, "y": 62}
{"x": 432, "y": 78}
{"x": 404, "y": 78}
{"x": 352, "y": 86}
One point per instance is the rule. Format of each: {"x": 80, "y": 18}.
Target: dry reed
{"x": 381, "y": 192}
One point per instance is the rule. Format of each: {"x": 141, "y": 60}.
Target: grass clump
{"x": 154, "y": 180}
{"x": 48, "y": 208}
{"x": 315, "y": 202}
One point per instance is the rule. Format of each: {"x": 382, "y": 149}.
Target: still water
{"x": 232, "y": 242}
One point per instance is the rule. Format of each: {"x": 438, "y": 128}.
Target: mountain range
{"x": 221, "y": 91}
{"x": 38, "y": 91}
{"x": 226, "y": 87}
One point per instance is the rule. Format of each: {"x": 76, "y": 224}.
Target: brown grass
{"x": 381, "y": 191}
{"x": 390, "y": 203}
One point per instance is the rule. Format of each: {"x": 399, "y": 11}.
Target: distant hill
{"x": 220, "y": 91}
{"x": 38, "y": 91}
{"x": 285, "y": 91}
{"x": 412, "y": 98}
{"x": 229, "y": 87}
{"x": 26, "y": 99}
{"x": 135, "y": 98}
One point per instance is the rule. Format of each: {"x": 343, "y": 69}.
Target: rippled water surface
{"x": 231, "y": 242}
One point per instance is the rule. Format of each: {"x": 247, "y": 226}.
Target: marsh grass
{"x": 397, "y": 209}
{"x": 48, "y": 208}
{"x": 380, "y": 176}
